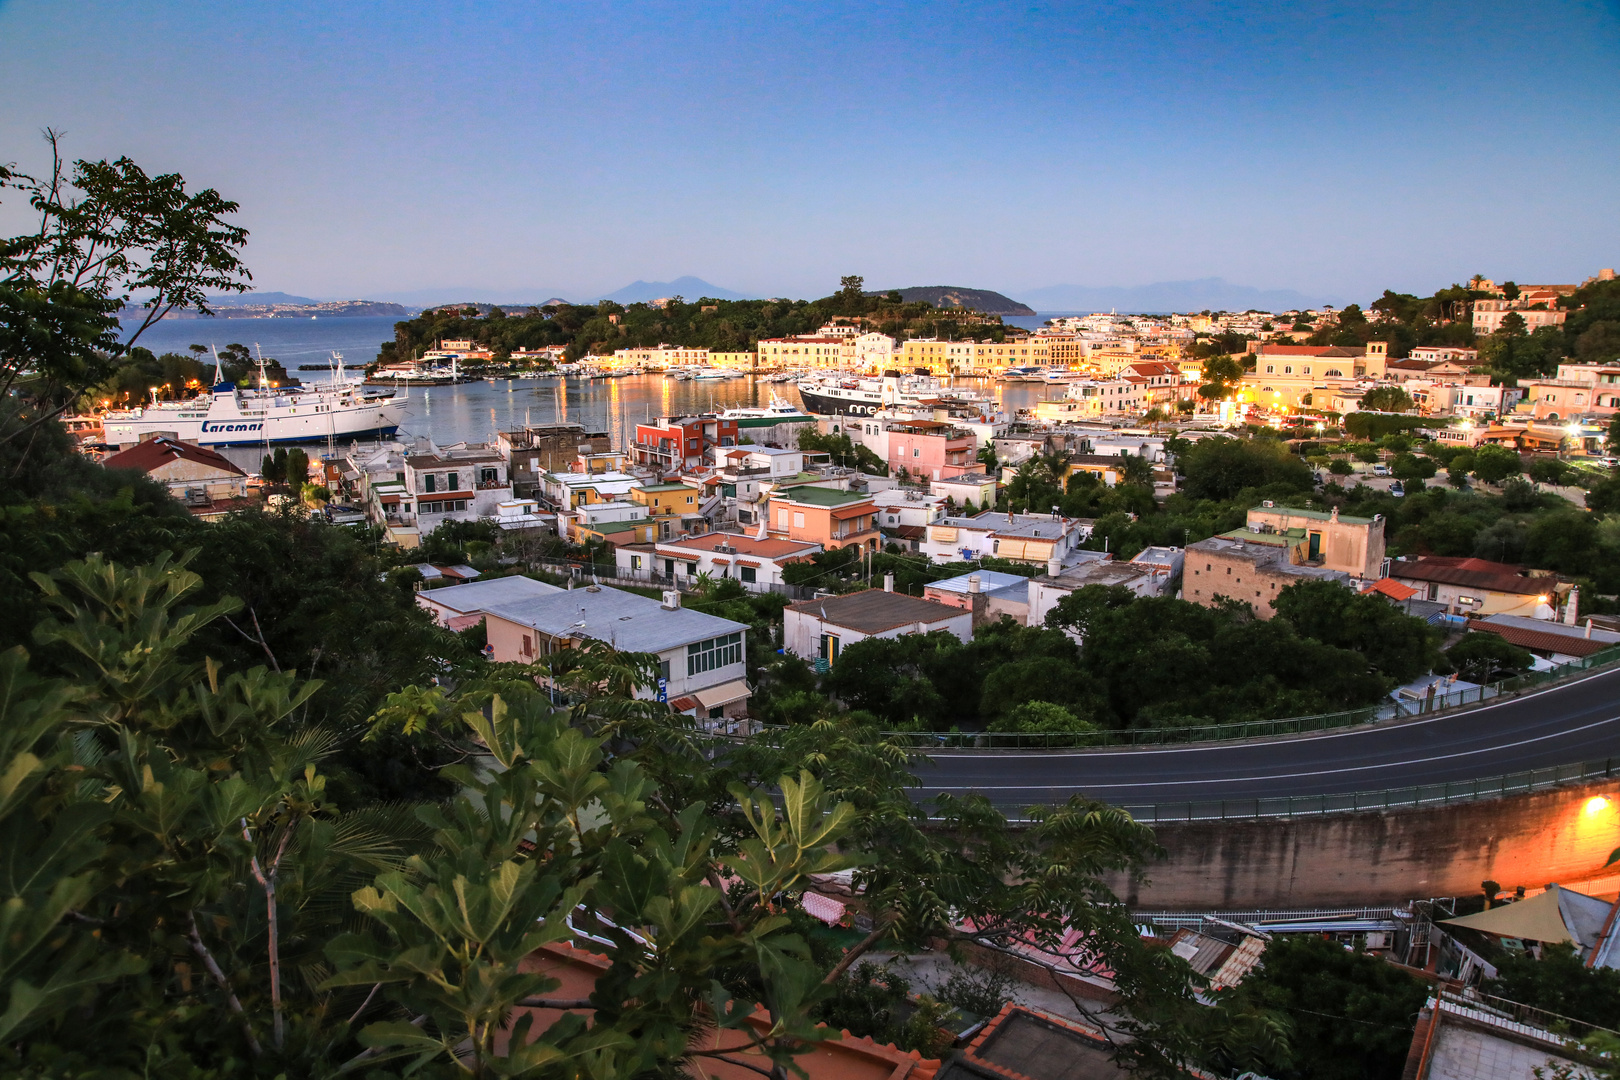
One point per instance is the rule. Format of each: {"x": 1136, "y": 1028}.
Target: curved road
{"x": 1570, "y": 723}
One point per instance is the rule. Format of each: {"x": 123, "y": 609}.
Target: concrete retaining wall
{"x": 1561, "y": 835}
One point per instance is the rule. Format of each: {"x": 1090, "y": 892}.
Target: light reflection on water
{"x": 475, "y": 412}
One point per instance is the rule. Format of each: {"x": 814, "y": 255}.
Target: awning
{"x": 712, "y": 697}
{"x": 1535, "y": 919}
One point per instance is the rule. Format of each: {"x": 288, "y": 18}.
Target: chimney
{"x": 672, "y": 600}
{"x": 1589, "y": 628}
{"x": 1054, "y": 566}
{"x": 973, "y": 584}
{"x": 888, "y": 583}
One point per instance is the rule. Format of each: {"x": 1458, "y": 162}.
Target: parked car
{"x": 1380, "y": 470}
{"x": 1397, "y": 490}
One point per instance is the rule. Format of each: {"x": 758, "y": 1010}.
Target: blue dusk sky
{"x": 525, "y": 150}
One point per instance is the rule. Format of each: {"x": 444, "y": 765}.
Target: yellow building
{"x": 667, "y": 500}
{"x": 741, "y": 361}
{"x": 1285, "y": 376}
{"x": 977, "y": 357}
{"x": 806, "y": 352}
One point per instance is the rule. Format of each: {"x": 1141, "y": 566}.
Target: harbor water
{"x": 475, "y": 411}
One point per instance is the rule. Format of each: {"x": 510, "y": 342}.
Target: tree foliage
{"x": 105, "y": 233}
{"x": 1349, "y": 1015}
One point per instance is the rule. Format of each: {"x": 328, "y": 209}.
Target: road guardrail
{"x": 1250, "y": 729}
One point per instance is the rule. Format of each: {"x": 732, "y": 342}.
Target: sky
{"x": 510, "y": 151}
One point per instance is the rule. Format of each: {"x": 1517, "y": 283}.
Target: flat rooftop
{"x": 479, "y": 595}
{"x": 872, "y": 611}
{"x": 820, "y": 496}
{"x": 624, "y": 620}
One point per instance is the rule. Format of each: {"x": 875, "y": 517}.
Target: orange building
{"x": 825, "y": 516}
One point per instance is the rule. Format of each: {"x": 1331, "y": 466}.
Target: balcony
{"x": 493, "y": 485}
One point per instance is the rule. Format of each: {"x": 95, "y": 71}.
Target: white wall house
{"x": 755, "y": 564}
{"x": 822, "y": 629}
{"x": 700, "y": 657}
{"x": 455, "y": 485}
{"x": 1032, "y": 538}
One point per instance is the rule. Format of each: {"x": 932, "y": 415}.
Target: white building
{"x": 909, "y": 507}
{"x": 822, "y": 629}
{"x": 1031, "y": 538}
{"x": 756, "y": 564}
{"x": 456, "y": 484}
{"x": 523, "y": 515}
{"x": 700, "y": 657}
{"x": 570, "y": 489}
{"x": 1143, "y": 579}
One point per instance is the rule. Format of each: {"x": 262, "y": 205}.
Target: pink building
{"x": 930, "y": 449}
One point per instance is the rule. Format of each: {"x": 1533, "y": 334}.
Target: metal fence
{"x": 1252, "y": 729}
{"x": 1292, "y": 806}
{"x": 612, "y": 574}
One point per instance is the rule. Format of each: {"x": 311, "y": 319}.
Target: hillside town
{"x": 1280, "y": 536}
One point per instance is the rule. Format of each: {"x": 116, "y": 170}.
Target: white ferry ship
{"x": 230, "y": 415}
{"x": 833, "y": 394}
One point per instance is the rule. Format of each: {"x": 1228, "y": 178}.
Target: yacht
{"x": 833, "y": 394}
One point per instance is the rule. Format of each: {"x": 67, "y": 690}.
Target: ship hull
{"x": 229, "y": 426}
{"x": 821, "y": 404}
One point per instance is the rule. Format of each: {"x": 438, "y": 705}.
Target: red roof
{"x": 157, "y": 452}
{"x": 1473, "y": 573}
{"x": 1550, "y": 641}
{"x": 1392, "y": 589}
{"x": 770, "y": 548}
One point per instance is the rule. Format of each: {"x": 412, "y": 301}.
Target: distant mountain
{"x": 1213, "y": 294}
{"x": 508, "y": 299}
{"x": 689, "y": 288}
{"x": 991, "y": 303}
{"x": 330, "y": 309}
{"x": 253, "y": 298}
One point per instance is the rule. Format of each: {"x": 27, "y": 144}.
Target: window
{"x": 528, "y": 645}
{"x": 486, "y": 476}
{"x": 781, "y": 518}
{"x": 1271, "y": 369}
{"x": 829, "y": 647}
{"x": 432, "y": 482}
{"x": 747, "y": 574}
{"x": 798, "y": 519}
{"x": 714, "y": 653}
{"x": 1288, "y": 370}
{"x": 450, "y": 481}
{"x": 635, "y": 562}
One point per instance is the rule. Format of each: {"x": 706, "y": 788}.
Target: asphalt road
{"x": 1573, "y": 722}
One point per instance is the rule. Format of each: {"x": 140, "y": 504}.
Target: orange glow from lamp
{"x": 1596, "y": 805}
